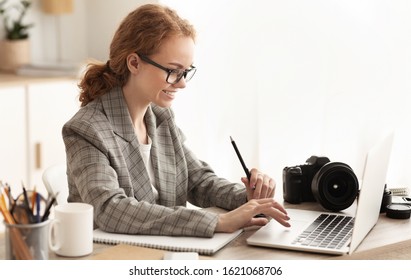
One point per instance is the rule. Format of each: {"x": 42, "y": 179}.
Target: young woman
{"x": 127, "y": 157}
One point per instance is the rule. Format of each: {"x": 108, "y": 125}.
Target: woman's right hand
{"x": 244, "y": 216}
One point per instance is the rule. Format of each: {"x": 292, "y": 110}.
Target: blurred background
{"x": 285, "y": 79}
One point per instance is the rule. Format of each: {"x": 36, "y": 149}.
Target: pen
{"x": 38, "y": 218}
{"x": 27, "y": 205}
{"x": 247, "y": 172}
{"x": 48, "y": 208}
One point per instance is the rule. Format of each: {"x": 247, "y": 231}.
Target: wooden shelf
{"x": 8, "y": 79}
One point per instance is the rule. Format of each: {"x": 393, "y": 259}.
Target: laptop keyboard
{"x": 327, "y": 231}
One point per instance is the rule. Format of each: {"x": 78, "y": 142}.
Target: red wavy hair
{"x": 142, "y": 31}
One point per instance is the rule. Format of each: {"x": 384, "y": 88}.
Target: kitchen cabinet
{"x": 32, "y": 113}
{"x": 13, "y": 149}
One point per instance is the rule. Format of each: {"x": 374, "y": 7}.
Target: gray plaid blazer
{"x": 106, "y": 169}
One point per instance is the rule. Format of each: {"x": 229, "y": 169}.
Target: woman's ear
{"x": 133, "y": 62}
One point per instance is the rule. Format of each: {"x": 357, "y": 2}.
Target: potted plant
{"x": 14, "y": 48}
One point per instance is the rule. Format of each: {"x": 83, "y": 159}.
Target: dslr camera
{"x": 333, "y": 184}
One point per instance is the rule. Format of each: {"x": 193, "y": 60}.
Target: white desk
{"x": 387, "y": 231}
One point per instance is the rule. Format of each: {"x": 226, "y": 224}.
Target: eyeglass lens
{"x": 175, "y": 76}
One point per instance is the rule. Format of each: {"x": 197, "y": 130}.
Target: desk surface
{"x": 390, "y": 238}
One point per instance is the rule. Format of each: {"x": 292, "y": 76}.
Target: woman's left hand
{"x": 260, "y": 185}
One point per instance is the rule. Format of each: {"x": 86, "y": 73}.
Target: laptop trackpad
{"x": 275, "y": 234}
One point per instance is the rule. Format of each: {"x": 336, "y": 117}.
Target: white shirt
{"x": 145, "y": 150}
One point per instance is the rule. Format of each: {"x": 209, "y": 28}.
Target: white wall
{"x": 286, "y": 79}
{"x": 221, "y": 100}
{"x": 103, "y": 18}
{"x": 289, "y": 79}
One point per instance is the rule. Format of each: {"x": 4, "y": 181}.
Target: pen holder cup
{"x": 27, "y": 241}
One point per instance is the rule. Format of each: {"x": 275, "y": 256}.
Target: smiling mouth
{"x": 169, "y": 93}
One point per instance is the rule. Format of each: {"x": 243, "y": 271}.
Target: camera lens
{"x": 335, "y": 186}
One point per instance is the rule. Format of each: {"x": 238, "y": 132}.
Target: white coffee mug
{"x": 71, "y": 230}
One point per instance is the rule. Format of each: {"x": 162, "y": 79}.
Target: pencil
{"x": 12, "y": 201}
{"x": 33, "y": 199}
{"x": 20, "y": 248}
{"x": 247, "y": 172}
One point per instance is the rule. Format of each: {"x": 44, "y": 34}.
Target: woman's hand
{"x": 259, "y": 186}
{"x": 243, "y": 216}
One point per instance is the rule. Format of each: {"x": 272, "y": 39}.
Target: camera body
{"x": 297, "y": 180}
{"x": 333, "y": 184}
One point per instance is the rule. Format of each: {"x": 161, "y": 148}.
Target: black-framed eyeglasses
{"x": 173, "y": 75}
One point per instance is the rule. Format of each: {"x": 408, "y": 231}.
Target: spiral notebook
{"x": 201, "y": 245}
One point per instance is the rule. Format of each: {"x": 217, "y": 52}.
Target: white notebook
{"x": 201, "y": 245}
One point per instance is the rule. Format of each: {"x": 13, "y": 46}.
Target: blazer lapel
{"x": 162, "y": 157}
{"x": 129, "y": 155}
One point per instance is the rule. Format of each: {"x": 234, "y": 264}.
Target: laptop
{"x": 351, "y": 230}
